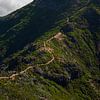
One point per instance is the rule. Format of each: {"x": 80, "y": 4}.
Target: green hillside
{"x": 50, "y": 50}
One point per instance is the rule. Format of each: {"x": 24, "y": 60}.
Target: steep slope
{"x": 28, "y": 23}
{"x": 61, "y": 55}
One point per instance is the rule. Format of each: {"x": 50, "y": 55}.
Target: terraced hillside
{"x": 50, "y": 50}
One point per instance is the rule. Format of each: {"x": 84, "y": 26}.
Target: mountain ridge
{"x": 61, "y": 62}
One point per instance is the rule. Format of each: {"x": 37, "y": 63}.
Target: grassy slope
{"x": 74, "y": 73}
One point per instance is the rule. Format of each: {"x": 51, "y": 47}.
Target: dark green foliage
{"x": 74, "y": 73}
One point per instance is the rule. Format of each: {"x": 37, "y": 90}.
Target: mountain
{"x": 21, "y": 23}
{"x": 50, "y": 50}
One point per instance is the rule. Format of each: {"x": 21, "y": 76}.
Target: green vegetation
{"x": 59, "y": 42}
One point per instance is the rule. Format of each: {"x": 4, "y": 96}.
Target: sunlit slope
{"x": 61, "y": 61}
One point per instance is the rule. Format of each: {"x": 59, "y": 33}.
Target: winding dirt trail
{"x": 46, "y": 48}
